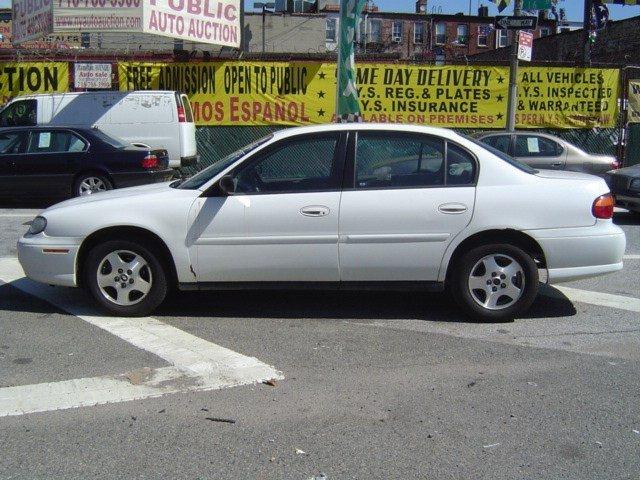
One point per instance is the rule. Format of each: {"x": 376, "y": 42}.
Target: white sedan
{"x": 337, "y": 206}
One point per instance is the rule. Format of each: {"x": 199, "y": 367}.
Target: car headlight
{"x": 38, "y": 225}
{"x": 635, "y": 185}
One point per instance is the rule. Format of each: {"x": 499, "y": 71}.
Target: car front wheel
{"x": 125, "y": 278}
{"x": 495, "y": 282}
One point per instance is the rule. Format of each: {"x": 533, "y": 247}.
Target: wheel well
{"x": 149, "y": 239}
{"x": 512, "y": 237}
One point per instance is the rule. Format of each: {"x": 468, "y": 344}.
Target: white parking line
{"x": 17, "y": 215}
{"x": 197, "y": 364}
{"x": 594, "y": 298}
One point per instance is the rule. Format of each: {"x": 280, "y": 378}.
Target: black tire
{"x": 84, "y": 177}
{"x": 463, "y": 295}
{"x": 156, "y": 275}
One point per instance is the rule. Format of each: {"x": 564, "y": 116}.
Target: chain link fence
{"x": 214, "y": 143}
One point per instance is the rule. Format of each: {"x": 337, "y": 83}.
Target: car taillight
{"x": 615, "y": 165}
{"x": 150, "y": 161}
{"x": 603, "y": 206}
{"x": 182, "y": 117}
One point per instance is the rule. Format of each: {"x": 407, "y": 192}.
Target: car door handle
{"x": 315, "y": 211}
{"x": 452, "y": 208}
{"x": 556, "y": 165}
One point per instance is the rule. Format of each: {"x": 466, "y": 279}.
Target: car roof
{"x": 516, "y": 132}
{"x": 370, "y": 127}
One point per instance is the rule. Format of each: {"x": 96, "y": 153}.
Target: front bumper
{"x": 576, "y": 253}
{"x": 48, "y": 260}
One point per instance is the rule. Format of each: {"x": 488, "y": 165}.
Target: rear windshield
{"x": 507, "y": 158}
{"x": 114, "y": 142}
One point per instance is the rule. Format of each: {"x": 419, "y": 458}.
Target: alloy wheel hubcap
{"x": 91, "y": 185}
{"x": 124, "y": 278}
{"x": 496, "y": 282}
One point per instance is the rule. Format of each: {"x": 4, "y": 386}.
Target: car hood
{"x": 563, "y": 174}
{"x": 117, "y": 193}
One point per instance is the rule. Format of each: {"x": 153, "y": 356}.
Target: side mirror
{"x": 227, "y": 185}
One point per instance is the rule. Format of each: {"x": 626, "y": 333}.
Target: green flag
{"x": 536, "y": 4}
{"x": 347, "y": 104}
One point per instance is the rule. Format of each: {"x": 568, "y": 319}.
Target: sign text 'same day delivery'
{"x": 204, "y": 21}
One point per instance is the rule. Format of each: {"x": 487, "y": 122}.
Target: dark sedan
{"x": 625, "y": 185}
{"x": 62, "y": 161}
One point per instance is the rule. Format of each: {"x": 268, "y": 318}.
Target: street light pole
{"x": 513, "y": 74}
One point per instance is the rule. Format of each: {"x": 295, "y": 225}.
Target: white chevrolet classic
{"x": 336, "y": 206}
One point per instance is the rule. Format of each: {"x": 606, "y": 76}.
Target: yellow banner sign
{"x": 298, "y": 93}
{"x": 634, "y": 102}
{"x": 25, "y": 78}
{"x": 258, "y": 93}
{"x": 554, "y": 97}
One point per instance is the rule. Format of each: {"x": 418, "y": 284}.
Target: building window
{"x": 544, "y": 32}
{"x": 462, "y": 34}
{"x": 418, "y": 33}
{"x": 375, "y": 31}
{"x": 483, "y": 35}
{"x": 397, "y": 31}
{"x": 502, "y": 38}
{"x": 441, "y": 33}
{"x": 332, "y": 29}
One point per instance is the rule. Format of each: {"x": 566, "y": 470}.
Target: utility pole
{"x": 513, "y": 73}
{"x": 586, "y": 30}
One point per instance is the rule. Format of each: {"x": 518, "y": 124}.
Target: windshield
{"x": 507, "y": 158}
{"x": 114, "y": 142}
{"x": 208, "y": 173}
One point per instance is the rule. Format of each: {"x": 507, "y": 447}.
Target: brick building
{"x": 618, "y": 43}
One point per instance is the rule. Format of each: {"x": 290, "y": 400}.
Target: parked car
{"x": 64, "y": 161}
{"x": 337, "y": 206}
{"x": 548, "y": 152}
{"x": 151, "y": 119}
{"x": 625, "y": 186}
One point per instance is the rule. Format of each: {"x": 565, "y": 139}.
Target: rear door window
{"x": 55, "y": 141}
{"x": 187, "y": 108}
{"x": 536, "y": 146}
{"x": 388, "y": 160}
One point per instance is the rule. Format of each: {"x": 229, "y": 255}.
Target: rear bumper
{"x": 134, "y": 179}
{"x": 47, "y": 260}
{"x": 575, "y": 253}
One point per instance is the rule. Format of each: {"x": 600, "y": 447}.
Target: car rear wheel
{"x": 90, "y": 183}
{"x": 125, "y": 278}
{"x": 495, "y": 282}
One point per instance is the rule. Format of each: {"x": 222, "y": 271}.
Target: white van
{"x": 154, "y": 119}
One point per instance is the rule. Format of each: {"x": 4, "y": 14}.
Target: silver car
{"x": 548, "y": 152}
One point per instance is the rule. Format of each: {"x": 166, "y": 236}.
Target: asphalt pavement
{"x": 335, "y": 385}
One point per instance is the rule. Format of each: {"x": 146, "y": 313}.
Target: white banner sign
{"x": 203, "y": 21}
{"x": 31, "y": 20}
{"x": 92, "y": 75}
